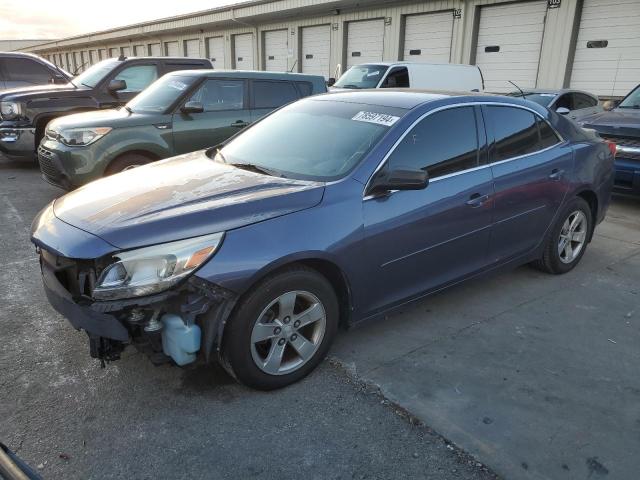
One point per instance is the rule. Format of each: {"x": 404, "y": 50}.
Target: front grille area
{"x": 47, "y": 166}
{"x": 625, "y": 142}
{"x": 78, "y": 277}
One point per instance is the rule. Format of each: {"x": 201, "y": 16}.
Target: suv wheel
{"x": 282, "y": 330}
{"x": 567, "y": 239}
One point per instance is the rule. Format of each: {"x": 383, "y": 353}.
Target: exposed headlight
{"x": 150, "y": 270}
{"x": 11, "y": 110}
{"x": 77, "y": 137}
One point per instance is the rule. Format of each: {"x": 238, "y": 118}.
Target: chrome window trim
{"x": 479, "y": 167}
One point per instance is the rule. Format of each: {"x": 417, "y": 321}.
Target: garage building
{"x": 588, "y": 44}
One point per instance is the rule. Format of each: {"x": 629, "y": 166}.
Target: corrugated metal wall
{"x": 555, "y": 57}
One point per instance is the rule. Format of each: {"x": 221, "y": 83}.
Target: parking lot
{"x": 535, "y": 376}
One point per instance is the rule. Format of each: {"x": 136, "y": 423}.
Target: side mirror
{"x": 399, "y": 179}
{"x": 562, "y": 110}
{"x": 117, "y": 85}
{"x": 609, "y": 105}
{"x": 331, "y": 82}
{"x": 192, "y": 107}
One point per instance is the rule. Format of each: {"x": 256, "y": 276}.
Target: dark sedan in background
{"x": 332, "y": 210}
{"x": 575, "y": 104}
{"x": 621, "y": 125}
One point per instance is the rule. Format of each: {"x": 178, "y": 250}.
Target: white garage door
{"x": 427, "y": 37}
{"x": 276, "y": 50}
{"x": 607, "y": 58}
{"x": 140, "y": 51}
{"x": 509, "y": 42}
{"x": 365, "y": 42}
{"x": 102, "y": 53}
{"x": 171, "y": 49}
{"x": 215, "y": 47}
{"x": 155, "y": 50}
{"x": 126, "y": 51}
{"x": 192, "y": 48}
{"x": 243, "y": 51}
{"x": 93, "y": 56}
{"x": 316, "y": 46}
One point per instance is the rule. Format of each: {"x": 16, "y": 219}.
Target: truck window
{"x": 397, "y": 78}
{"x": 138, "y": 77}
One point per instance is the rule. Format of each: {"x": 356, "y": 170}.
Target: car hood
{"x": 115, "y": 118}
{"x": 624, "y": 122}
{"x": 181, "y": 197}
{"x": 37, "y": 91}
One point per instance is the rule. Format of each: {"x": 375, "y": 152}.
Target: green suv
{"x": 181, "y": 112}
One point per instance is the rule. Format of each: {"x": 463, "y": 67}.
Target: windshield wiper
{"x": 349, "y": 85}
{"x": 637, "y": 106}
{"x": 126, "y": 107}
{"x": 257, "y": 169}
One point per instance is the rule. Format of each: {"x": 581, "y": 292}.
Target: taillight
{"x": 612, "y": 147}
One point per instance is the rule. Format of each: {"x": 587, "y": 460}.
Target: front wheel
{"x": 567, "y": 239}
{"x": 125, "y": 162}
{"x": 282, "y": 330}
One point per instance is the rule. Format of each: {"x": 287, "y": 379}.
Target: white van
{"x": 429, "y": 76}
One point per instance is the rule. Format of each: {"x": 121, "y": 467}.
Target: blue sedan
{"x": 333, "y": 210}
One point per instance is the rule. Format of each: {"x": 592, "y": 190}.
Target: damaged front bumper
{"x": 183, "y": 324}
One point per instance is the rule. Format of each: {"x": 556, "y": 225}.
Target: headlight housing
{"x": 80, "y": 137}
{"x": 11, "y": 110}
{"x": 150, "y": 270}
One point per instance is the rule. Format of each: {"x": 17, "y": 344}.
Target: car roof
{"x": 390, "y": 64}
{"x": 555, "y": 91}
{"x": 246, "y": 74}
{"x": 397, "y": 97}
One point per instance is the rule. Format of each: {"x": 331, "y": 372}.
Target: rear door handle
{"x": 556, "y": 174}
{"x": 239, "y": 124}
{"x": 476, "y": 200}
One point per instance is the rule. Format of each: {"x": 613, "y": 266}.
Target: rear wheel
{"x": 282, "y": 330}
{"x": 567, "y": 239}
{"x": 126, "y": 162}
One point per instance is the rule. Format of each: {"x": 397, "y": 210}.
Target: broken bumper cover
{"x": 18, "y": 142}
{"x": 81, "y": 317}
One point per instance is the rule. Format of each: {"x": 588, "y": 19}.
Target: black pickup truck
{"x": 25, "y": 112}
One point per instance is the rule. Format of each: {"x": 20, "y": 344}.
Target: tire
{"x": 556, "y": 260}
{"x": 264, "y": 312}
{"x": 125, "y": 162}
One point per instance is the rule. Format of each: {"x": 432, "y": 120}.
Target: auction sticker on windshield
{"x": 379, "y": 118}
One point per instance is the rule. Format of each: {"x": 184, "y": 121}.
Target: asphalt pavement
{"x": 71, "y": 419}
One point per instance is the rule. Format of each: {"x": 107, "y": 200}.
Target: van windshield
{"x": 161, "y": 94}
{"x": 362, "y": 76}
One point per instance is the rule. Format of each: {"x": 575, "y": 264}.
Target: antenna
{"x": 519, "y": 89}
{"x": 293, "y": 66}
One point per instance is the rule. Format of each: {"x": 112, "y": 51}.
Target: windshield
{"x": 361, "y": 76}
{"x": 543, "y": 99}
{"x": 632, "y": 100}
{"x": 92, "y": 76}
{"x": 161, "y": 94}
{"x": 311, "y": 139}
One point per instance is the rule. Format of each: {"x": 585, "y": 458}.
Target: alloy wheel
{"x": 288, "y": 332}
{"x": 573, "y": 236}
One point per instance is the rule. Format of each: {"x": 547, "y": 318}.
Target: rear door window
{"x": 25, "y": 70}
{"x": 305, "y": 88}
{"x": 515, "y": 132}
{"x": 272, "y": 94}
{"x": 174, "y": 66}
{"x": 548, "y": 137}
{"x": 443, "y": 143}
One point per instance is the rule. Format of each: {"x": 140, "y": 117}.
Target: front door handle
{"x": 556, "y": 174}
{"x": 239, "y": 124}
{"x": 476, "y": 200}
